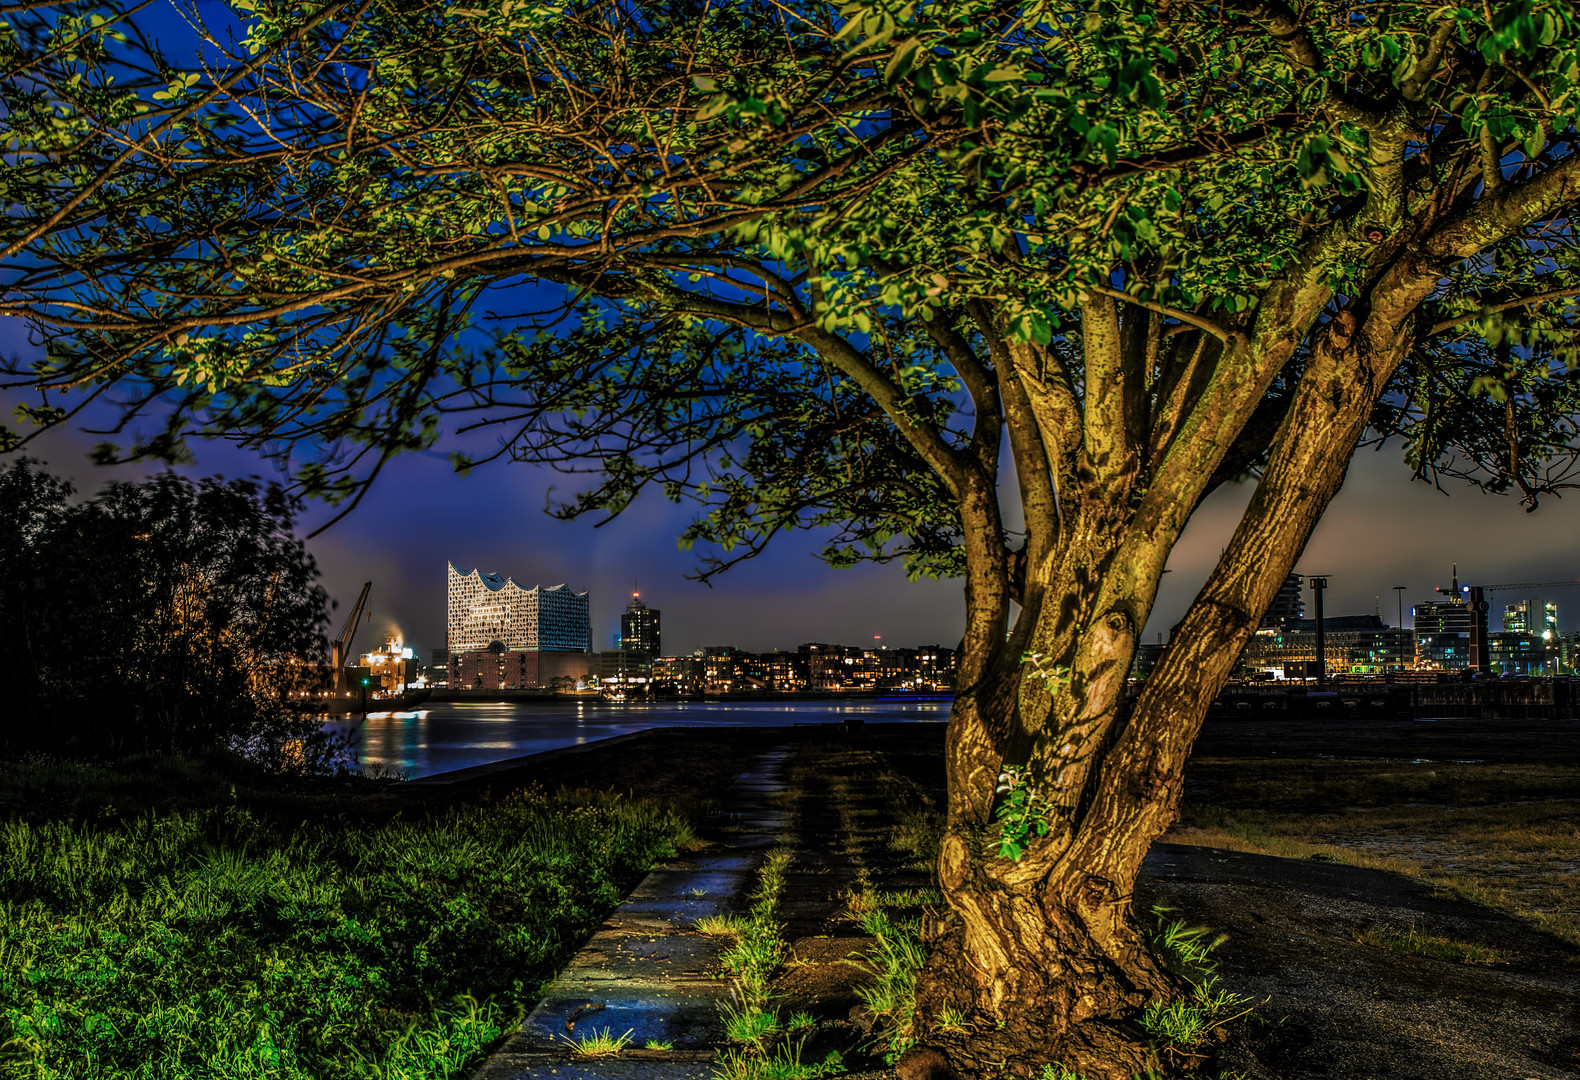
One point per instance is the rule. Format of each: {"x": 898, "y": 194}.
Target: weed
{"x": 749, "y": 1024}
{"x": 1414, "y": 943}
{"x": 784, "y": 1063}
{"x": 658, "y": 1044}
{"x": 800, "y": 1020}
{"x": 1187, "y": 948}
{"x": 756, "y": 950}
{"x": 597, "y": 1043}
{"x": 895, "y": 958}
{"x": 901, "y": 898}
{"x": 1056, "y": 1070}
{"x": 1184, "y": 1024}
{"x": 950, "y": 1020}
{"x": 729, "y": 926}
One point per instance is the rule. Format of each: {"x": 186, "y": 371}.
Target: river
{"x": 443, "y": 736}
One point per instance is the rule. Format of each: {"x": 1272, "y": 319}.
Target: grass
{"x": 160, "y": 920}
{"x": 757, "y": 948}
{"x": 1184, "y": 1024}
{"x": 1414, "y": 943}
{"x": 764, "y": 1050}
{"x": 767, "y": 1045}
{"x": 893, "y": 960}
{"x": 1505, "y": 836}
{"x": 909, "y": 835}
{"x": 1055, "y": 1070}
{"x": 597, "y": 1044}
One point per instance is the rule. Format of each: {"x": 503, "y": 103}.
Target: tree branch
{"x": 1539, "y": 298}
{"x": 1189, "y": 318}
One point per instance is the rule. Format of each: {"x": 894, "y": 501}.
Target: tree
{"x": 851, "y": 267}
{"x": 162, "y": 616}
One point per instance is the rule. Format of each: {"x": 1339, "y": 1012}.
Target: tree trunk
{"x": 1044, "y": 958}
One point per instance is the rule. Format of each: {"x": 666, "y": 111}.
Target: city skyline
{"x": 1381, "y": 531}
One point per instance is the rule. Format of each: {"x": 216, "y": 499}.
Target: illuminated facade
{"x": 639, "y": 630}
{"x": 1442, "y": 635}
{"x": 490, "y": 611}
{"x": 1354, "y": 645}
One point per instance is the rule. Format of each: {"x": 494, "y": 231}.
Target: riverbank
{"x": 1356, "y": 972}
{"x": 177, "y": 898}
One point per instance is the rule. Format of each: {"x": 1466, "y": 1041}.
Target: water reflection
{"x": 456, "y": 735}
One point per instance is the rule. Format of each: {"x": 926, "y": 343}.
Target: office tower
{"x": 1288, "y": 607}
{"x": 639, "y": 630}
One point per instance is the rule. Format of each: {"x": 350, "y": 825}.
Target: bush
{"x": 159, "y": 616}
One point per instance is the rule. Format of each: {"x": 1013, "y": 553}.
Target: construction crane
{"x": 1532, "y": 585}
{"x": 1477, "y": 603}
{"x": 341, "y": 649}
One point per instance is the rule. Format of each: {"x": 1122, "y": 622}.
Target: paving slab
{"x": 685, "y": 1015}
{"x": 648, "y": 957}
{"x": 670, "y": 884}
{"x": 504, "y": 1066}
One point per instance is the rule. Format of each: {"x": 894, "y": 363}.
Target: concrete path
{"x": 646, "y": 971}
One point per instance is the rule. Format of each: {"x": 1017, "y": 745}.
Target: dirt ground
{"x": 1329, "y": 1004}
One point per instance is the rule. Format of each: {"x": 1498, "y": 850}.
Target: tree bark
{"x": 1046, "y": 958}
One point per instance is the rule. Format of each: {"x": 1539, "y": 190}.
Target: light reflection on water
{"x": 442, "y": 736}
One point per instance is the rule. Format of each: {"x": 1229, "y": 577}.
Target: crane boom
{"x": 1533, "y": 585}
{"x": 342, "y": 646}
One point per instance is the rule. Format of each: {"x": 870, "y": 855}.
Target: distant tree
{"x": 159, "y": 616}
{"x": 900, "y": 270}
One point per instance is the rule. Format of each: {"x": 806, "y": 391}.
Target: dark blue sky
{"x": 1382, "y": 531}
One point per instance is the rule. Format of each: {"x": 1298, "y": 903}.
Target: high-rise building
{"x": 639, "y": 630}
{"x": 1442, "y": 634}
{"x": 1531, "y": 617}
{"x": 1287, "y": 607}
{"x": 490, "y": 611}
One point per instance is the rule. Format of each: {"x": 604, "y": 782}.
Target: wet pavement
{"x": 647, "y": 973}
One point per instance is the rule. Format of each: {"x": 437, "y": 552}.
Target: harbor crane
{"x": 341, "y": 647}
{"x": 1533, "y": 585}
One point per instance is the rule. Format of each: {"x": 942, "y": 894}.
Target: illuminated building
{"x": 518, "y": 669}
{"x": 1530, "y": 643}
{"x": 639, "y": 630}
{"x": 1442, "y": 635}
{"x": 1356, "y": 645}
{"x": 1287, "y": 607}
{"x": 488, "y": 610}
{"x": 505, "y": 637}
{"x": 1533, "y": 617}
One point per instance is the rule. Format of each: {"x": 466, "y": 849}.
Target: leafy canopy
{"x": 763, "y": 254}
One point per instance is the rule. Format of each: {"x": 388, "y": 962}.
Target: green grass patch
{"x": 1414, "y": 943}
{"x": 152, "y": 929}
{"x": 596, "y": 1043}
{"x": 893, "y": 960}
{"x": 1184, "y": 1024}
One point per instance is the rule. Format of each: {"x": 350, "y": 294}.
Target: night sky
{"x": 1382, "y": 531}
